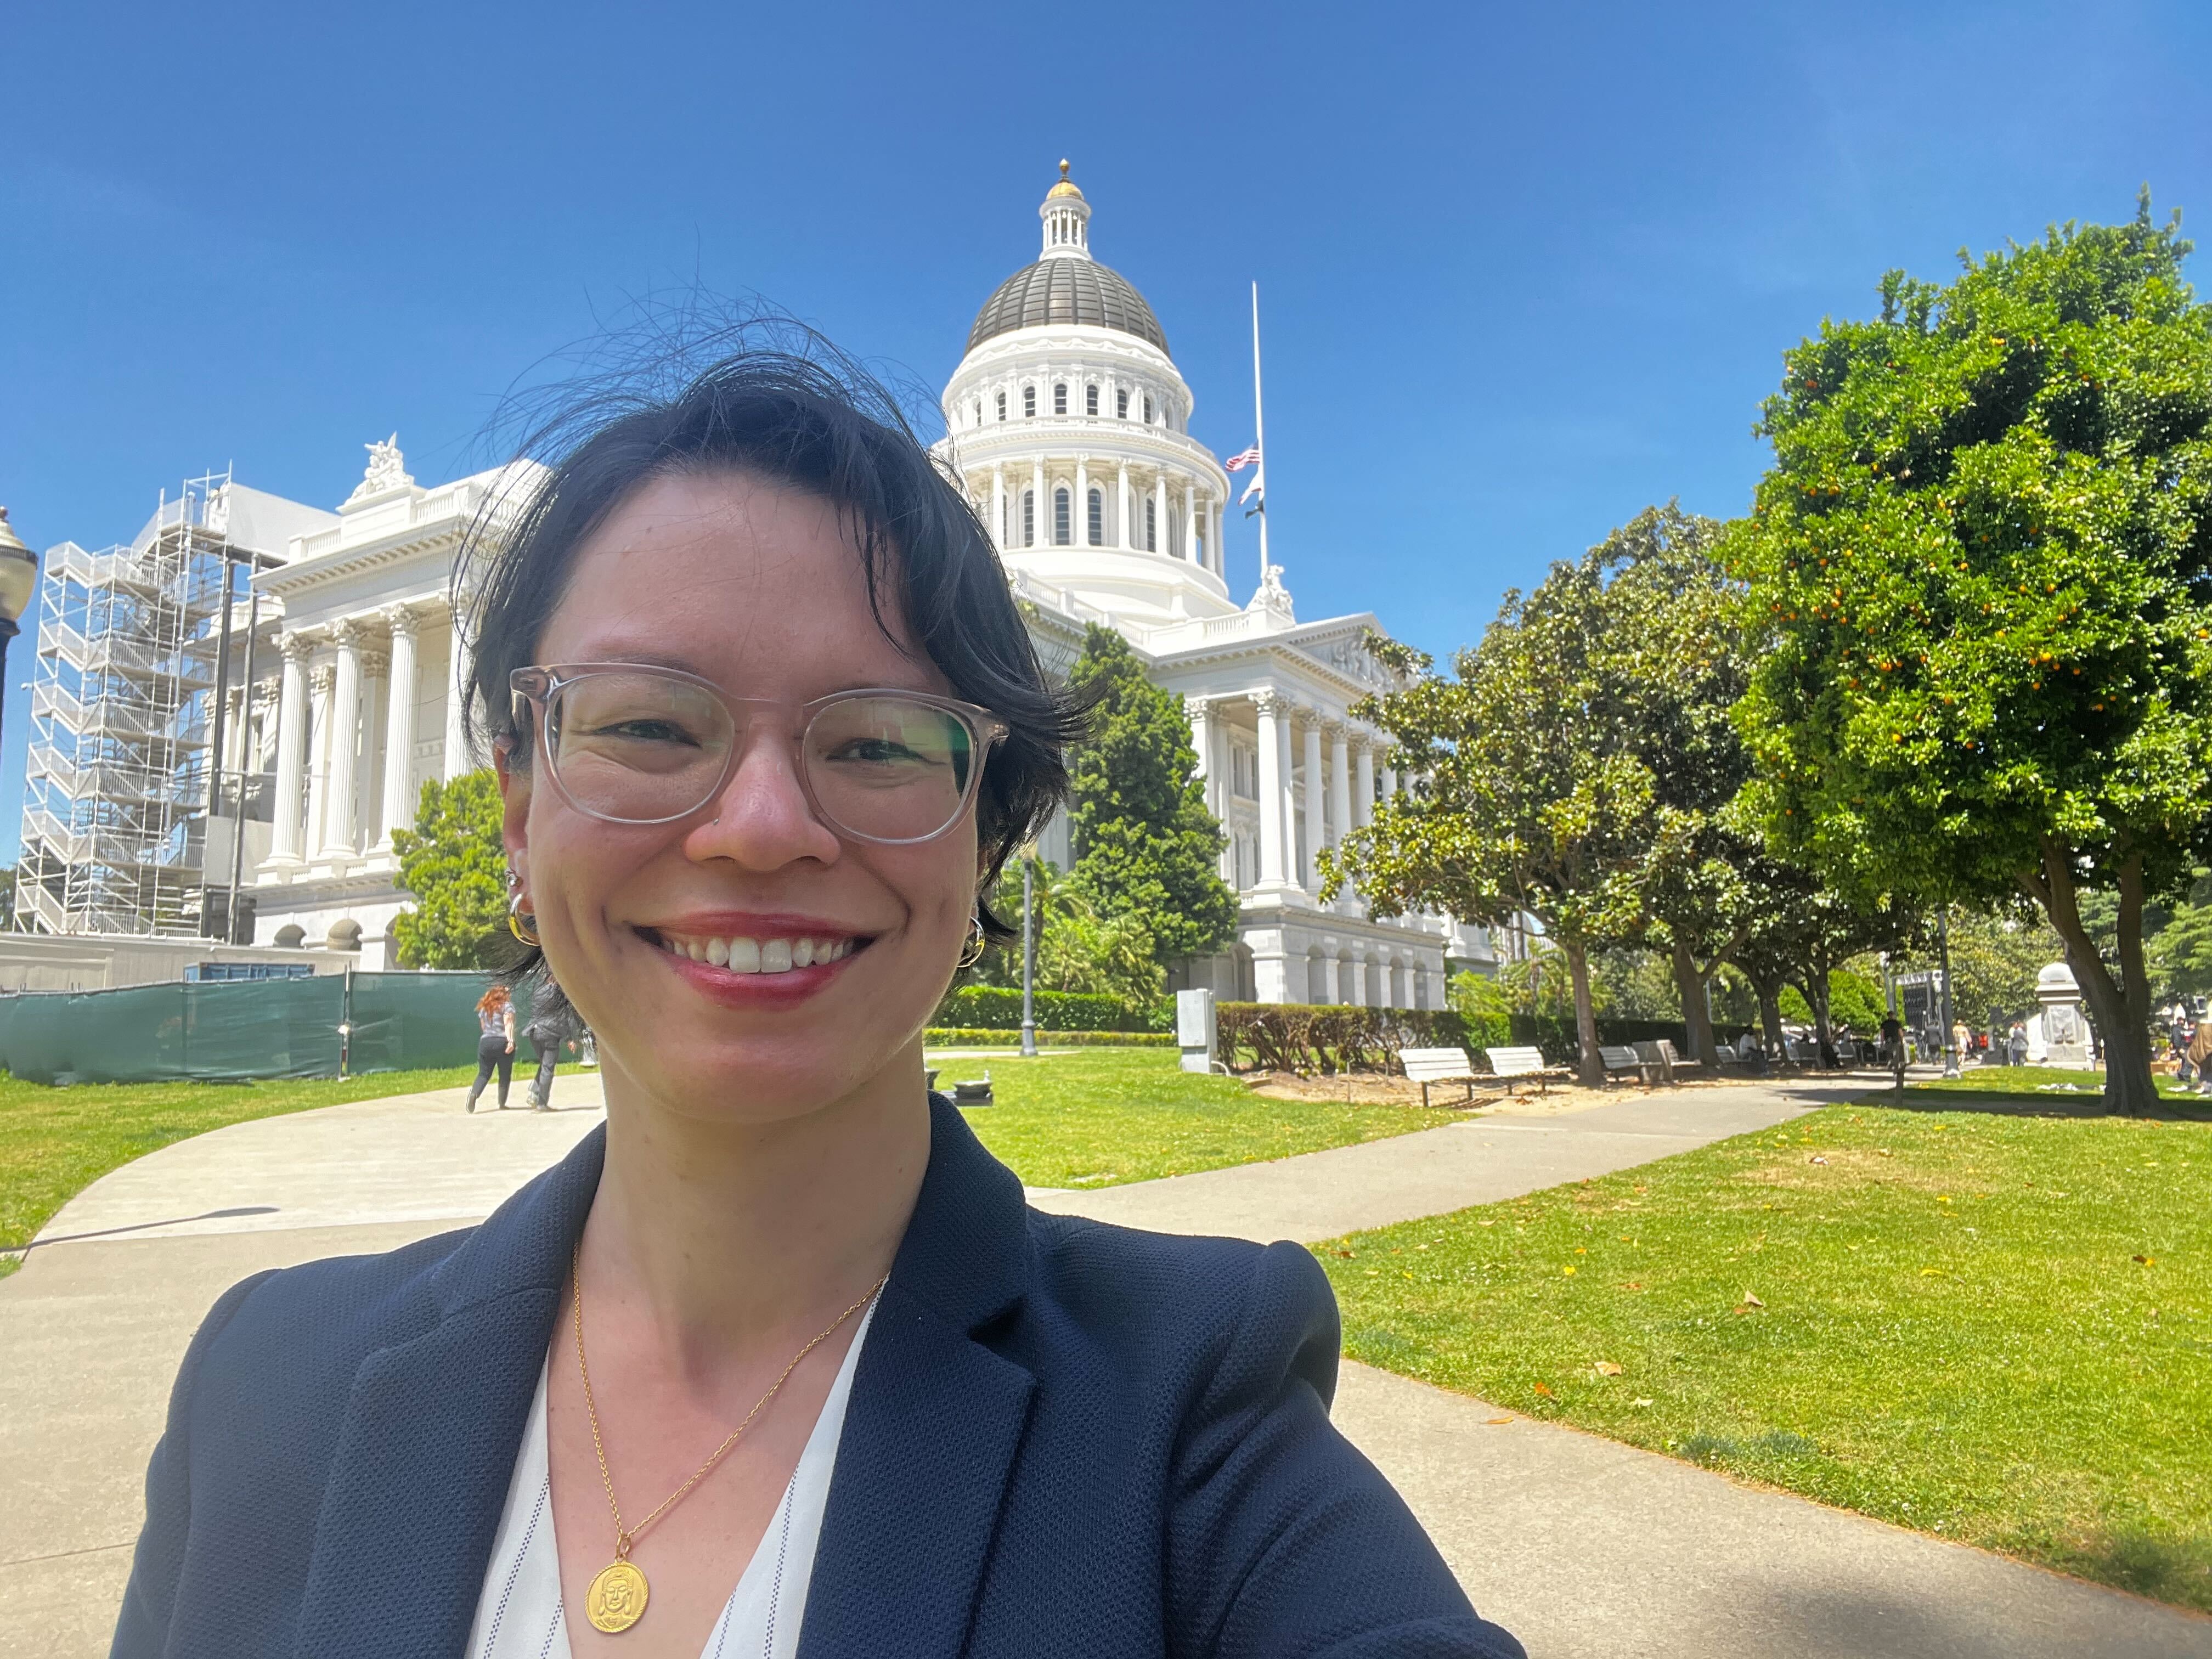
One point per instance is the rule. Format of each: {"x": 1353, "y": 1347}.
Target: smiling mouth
{"x": 739, "y": 954}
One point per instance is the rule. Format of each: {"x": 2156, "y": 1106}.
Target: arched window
{"x": 1151, "y": 525}
{"x": 1029, "y": 401}
{"x": 1098, "y": 518}
{"x": 1121, "y": 404}
{"x": 1062, "y": 532}
{"x": 1029, "y": 518}
{"x": 1059, "y": 397}
{"x": 1002, "y": 405}
{"x": 1148, "y": 408}
{"x": 1090, "y": 400}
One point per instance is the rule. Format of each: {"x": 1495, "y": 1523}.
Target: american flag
{"x": 1238, "y": 463}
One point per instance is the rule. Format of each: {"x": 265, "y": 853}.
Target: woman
{"x": 495, "y": 1043}
{"x": 767, "y": 725}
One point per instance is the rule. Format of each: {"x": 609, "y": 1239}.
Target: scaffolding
{"x": 116, "y": 796}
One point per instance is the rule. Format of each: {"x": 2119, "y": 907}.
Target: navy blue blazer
{"x": 1063, "y": 1437}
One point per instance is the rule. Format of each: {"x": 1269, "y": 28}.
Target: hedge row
{"x": 998, "y": 1008}
{"x": 1306, "y": 1037}
{"x": 940, "y": 1037}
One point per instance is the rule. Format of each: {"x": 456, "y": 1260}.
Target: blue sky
{"x": 1523, "y": 269}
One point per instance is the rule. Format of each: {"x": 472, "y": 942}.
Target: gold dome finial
{"x": 1066, "y": 186}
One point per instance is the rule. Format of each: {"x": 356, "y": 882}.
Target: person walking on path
{"x": 2200, "y": 1051}
{"x": 494, "y": 1043}
{"x": 553, "y": 1025}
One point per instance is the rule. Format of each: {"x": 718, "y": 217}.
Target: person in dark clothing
{"x": 494, "y": 1043}
{"x": 553, "y": 1025}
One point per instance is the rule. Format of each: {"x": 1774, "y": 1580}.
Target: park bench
{"x": 1621, "y": 1059}
{"x": 1660, "y": 1057}
{"x": 1511, "y": 1065}
{"x": 1675, "y": 1061}
{"x": 1428, "y": 1066}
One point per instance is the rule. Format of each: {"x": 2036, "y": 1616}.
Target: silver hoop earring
{"x": 972, "y": 952}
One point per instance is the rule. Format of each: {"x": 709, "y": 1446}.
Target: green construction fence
{"x": 331, "y": 1025}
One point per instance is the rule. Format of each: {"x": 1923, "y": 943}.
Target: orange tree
{"x": 1977, "y": 572}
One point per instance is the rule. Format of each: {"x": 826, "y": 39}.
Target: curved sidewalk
{"x": 1581, "y": 1546}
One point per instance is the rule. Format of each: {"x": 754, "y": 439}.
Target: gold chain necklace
{"x": 617, "y": 1598}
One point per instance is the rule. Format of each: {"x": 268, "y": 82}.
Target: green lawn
{"x": 1993, "y": 1324}
{"x": 53, "y": 1142}
{"x": 2062, "y": 1087}
{"x": 1098, "y": 1117}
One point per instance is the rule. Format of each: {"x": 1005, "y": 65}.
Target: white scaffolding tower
{"x": 115, "y": 804}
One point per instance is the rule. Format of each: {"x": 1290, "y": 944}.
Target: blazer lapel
{"x": 427, "y": 1448}
{"x": 934, "y": 1423}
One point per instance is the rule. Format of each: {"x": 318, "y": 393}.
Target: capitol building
{"x": 1068, "y": 422}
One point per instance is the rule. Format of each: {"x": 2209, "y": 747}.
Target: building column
{"x": 1201, "y": 711}
{"x": 285, "y": 844}
{"x": 368, "y": 797}
{"x": 321, "y": 678}
{"x": 1220, "y": 559}
{"x": 340, "y": 833}
{"x": 1160, "y": 512}
{"x": 1040, "y": 508}
{"x": 1190, "y": 521}
{"x": 1339, "y": 798}
{"x": 1316, "y": 805}
{"x": 456, "y": 758}
{"x": 1121, "y": 504}
{"x": 1078, "y": 525}
{"x": 399, "y": 729}
{"x": 1389, "y": 783}
{"x": 1332, "y": 981}
{"x": 1274, "y": 788}
{"x": 1001, "y": 530}
{"x": 1362, "y": 785}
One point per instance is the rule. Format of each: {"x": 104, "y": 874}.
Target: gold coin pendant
{"x": 617, "y": 1598}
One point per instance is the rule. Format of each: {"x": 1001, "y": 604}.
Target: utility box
{"x": 1195, "y": 1030}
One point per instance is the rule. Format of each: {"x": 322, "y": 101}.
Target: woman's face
{"x": 759, "y": 589}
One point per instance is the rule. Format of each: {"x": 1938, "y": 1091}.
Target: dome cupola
{"x": 1066, "y": 285}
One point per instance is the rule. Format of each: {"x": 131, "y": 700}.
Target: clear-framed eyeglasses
{"x": 630, "y": 743}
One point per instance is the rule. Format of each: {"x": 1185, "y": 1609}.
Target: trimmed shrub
{"x": 998, "y": 1008}
{"x": 938, "y": 1037}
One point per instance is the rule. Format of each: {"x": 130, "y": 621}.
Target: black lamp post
{"x": 19, "y": 580}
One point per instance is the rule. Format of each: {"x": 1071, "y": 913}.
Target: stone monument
{"x": 2058, "y": 1035}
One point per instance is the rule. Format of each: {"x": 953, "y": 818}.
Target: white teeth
{"x": 775, "y": 955}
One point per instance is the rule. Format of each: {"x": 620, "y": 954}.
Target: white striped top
{"x": 518, "y": 1610}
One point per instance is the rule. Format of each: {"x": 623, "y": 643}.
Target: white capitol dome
{"x": 1069, "y": 423}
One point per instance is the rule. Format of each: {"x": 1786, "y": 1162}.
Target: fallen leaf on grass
{"x": 1542, "y": 1390}
{"x": 1632, "y": 1285}
{"x": 1931, "y": 1273}
{"x": 1486, "y": 1223}
{"x": 2147, "y": 1261}
{"x": 1346, "y": 1254}
{"x": 1751, "y": 1300}
{"x": 1569, "y": 1272}
{"x": 1639, "y": 1402}
{"x": 1606, "y": 1368}
{"x": 1816, "y": 1159}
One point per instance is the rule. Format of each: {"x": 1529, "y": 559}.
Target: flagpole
{"x": 1259, "y": 435}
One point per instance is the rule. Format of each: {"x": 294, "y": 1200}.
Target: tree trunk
{"x": 1690, "y": 985}
{"x": 1590, "y": 1065}
{"x": 1816, "y": 999}
{"x": 1769, "y": 1015}
{"x": 2121, "y": 1010}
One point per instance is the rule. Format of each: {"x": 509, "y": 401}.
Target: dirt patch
{"x": 1384, "y": 1089}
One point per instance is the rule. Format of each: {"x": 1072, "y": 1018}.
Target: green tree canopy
{"x": 1575, "y": 760}
{"x": 1978, "y": 572}
{"x": 455, "y": 863}
{"x": 1077, "y": 948}
{"x": 1146, "y": 845}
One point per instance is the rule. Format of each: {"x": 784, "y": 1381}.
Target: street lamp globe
{"x": 19, "y": 577}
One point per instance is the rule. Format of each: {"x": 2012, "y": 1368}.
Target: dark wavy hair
{"x": 812, "y": 420}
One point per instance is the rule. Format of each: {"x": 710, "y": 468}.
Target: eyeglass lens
{"x": 642, "y": 749}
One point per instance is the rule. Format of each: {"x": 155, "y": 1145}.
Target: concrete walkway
{"x": 1581, "y": 1546}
